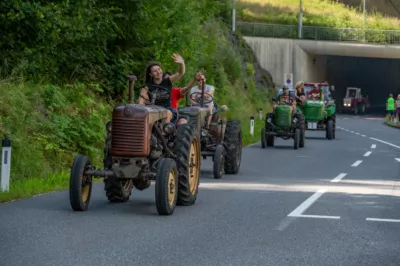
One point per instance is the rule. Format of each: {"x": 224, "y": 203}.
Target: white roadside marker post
{"x": 5, "y": 164}
{"x": 252, "y": 125}
{"x": 261, "y": 114}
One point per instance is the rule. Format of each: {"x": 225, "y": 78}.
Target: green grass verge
{"x": 392, "y": 124}
{"x": 316, "y": 13}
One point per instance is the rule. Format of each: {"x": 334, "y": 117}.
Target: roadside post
{"x": 252, "y": 125}
{"x": 261, "y": 113}
{"x": 5, "y": 164}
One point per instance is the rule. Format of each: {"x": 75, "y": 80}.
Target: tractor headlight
{"x": 169, "y": 128}
{"x": 269, "y": 120}
{"x": 109, "y": 126}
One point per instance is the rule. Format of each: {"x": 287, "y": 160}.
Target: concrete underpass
{"x": 373, "y": 68}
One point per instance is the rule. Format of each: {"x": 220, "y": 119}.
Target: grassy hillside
{"x": 63, "y": 67}
{"x": 325, "y": 13}
{"x": 386, "y": 7}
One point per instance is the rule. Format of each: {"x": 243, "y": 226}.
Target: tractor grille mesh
{"x": 128, "y": 136}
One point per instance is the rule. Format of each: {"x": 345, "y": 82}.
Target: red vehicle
{"x": 354, "y": 101}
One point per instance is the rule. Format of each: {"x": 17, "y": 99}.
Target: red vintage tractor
{"x": 140, "y": 148}
{"x": 354, "y": 102}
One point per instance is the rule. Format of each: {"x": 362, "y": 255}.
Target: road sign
{"x": 288, "y": 80}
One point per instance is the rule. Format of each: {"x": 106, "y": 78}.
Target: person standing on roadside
{"x": 390, "y": 107}
{"x": 397, "y": 107}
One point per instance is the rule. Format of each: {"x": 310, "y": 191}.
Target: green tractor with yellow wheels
{"x": 283, "y": 124}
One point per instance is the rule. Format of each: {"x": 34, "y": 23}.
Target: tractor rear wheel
{"x": 187, "y": 151}
{"x": 218, "y": 167}
{"x": 233, "y": 147}
{"x": 302, "y": 127}
{"x": 329, "y": 129}
{"x": 296, "y": 138}
{"x": 118, "y": 190}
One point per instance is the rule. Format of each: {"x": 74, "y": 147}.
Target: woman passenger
{"x": 154, "y": 76}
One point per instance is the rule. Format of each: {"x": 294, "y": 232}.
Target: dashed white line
{"x": 357, "y": 133}
{"x": 385, "y": 142}
{"x": 383, "y": 220}
{"x": 363, "y": 136}
{"x": 307, "y": 203}
{"x": 367, "y": 153}
{"x": 338, "y": 178}
{"x": 397, "y": 159}
{"x": 373, "y": 146}
{"x": 357, "y": 163}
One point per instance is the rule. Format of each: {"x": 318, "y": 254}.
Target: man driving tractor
{"x": 208, "y": 91}
{"x": 315, "y": 94}
{"x": 285, "y": 98}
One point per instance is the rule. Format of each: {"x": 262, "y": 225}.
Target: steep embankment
{"x": 325, "y": 13}
{"x": 63, "y": 69}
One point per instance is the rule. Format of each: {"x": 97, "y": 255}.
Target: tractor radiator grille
{"x": 193, "y": 120}
{"x": 128, "y": 137}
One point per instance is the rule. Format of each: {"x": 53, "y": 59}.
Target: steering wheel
{"x": 152, "y": 95}
{"x": 198, "y": 99}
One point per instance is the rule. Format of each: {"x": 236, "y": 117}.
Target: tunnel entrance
{"x": 377, "y": 78}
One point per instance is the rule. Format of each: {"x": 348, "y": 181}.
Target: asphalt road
{"x": 282, "y": 209}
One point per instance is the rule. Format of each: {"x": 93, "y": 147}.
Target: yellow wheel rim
{"x": 194, "y": 165}
{"x": 85, "y": 189}
{"x": 171, "y": 187}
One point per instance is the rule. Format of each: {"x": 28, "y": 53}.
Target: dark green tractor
{"x": 282, "y": 124}
{"x": 320, "y": 115}
{"x": 222, "y": 141}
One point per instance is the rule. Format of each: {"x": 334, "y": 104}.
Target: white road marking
{"x": 346, "y": 118}
{"x": 307, "y": 203}
{"x": 352, "y": 131}
{"x": 397, "y": 159}
{"x": 338, "y": 178}
{"x": 357, "y": 133}
{"x": 385, "y": 142}
{"x": 363, "y": 136}
{"x": 357, "y": 163}
{"x": 373, "y": 146}
{"x": 367, "y": 153}
{"x": 383, "y": 220}
{"x": 319, "y": 216}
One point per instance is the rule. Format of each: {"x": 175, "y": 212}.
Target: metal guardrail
{"x": 319, "y": 33}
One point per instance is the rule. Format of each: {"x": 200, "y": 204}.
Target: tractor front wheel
{"x": 80, "y": 184}
{"x": 166, "y": 188}
{"x": 263, "y": 139}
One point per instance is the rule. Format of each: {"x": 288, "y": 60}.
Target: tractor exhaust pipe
{"x": 131, "y": 79}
